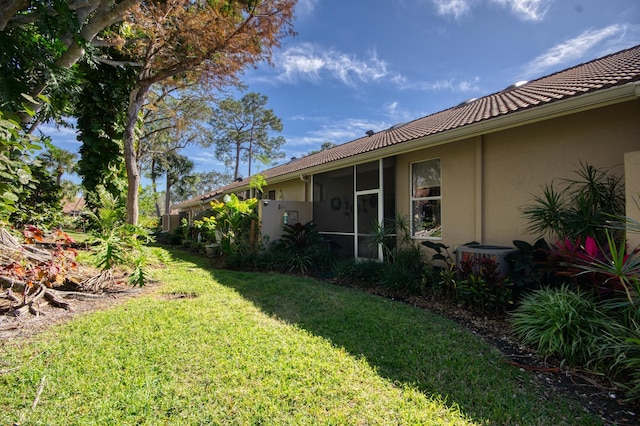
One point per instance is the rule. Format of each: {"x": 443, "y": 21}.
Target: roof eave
{"x": 598, "y": 99}
{"x": 589, "y": 101}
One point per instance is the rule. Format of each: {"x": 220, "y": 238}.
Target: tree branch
{"x": 117, "y": 63}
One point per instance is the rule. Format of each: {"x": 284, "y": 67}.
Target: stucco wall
{"x": 486, "y": 181}
{"x": 291, "y": 190}
{"x": 271, "y": 214}
{"x": 632, "y": 175}
{"x": 518, "y": 162}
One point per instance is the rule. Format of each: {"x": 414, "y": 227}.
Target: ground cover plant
{"x": 226, "y": 347}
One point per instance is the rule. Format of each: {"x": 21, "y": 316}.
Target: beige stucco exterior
{"x": 488, "y": 179}
{"x": 295, "y": 189}
{"x": 459, "y": 170}
{"x": 632, "y": 195}
{"x": 271, "y": 214}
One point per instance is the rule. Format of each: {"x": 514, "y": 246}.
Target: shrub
{"x": 299, "y": 237}
{"x": 534, "y": 267}
{"x": 405, "y": 274}
{"x": 235, "y": 221}
{"x": 118, "y": 243}
{"x": 626, "y": 358}
{"x": 476, "y": 283}
{"x": 368, "y": 273}
{"x": 562, "y": 322}
{"x": 577, "y": 208}
{"x": 403, "y": 279}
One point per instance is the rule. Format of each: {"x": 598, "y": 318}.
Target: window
{"x": 426, "y": 199}
{"x": 271, "y": 195}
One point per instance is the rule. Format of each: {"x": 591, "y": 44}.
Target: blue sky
{"x": 359, "y": 65}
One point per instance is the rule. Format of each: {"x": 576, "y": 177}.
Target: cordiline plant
{"x": 577, "y": 208}
{"x": 619, "y": 266}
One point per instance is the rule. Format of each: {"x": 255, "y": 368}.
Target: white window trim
{"x": 412, "y": 199}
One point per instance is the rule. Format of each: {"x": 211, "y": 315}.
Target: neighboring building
{"x": 74, "y": 207}
{"x": 464, "y": 174}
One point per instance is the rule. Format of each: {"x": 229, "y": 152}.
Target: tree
{"x": 101, "y": 112}
{"x": 41, "y": 204}
{"x": 15, "y": 171}
{"x": 242, "y": 131}
{"x": 175, "y": 166}
{"x": 323, "y": 147}
{"x": 149, "y": 200}
{"x": 191, "y": 39}
{"x": 190, "y": 186}
{"x": 58, "y": 161}
{"x": 177, "y": 40}
{"x": 47, "y": 38}
{"x": 174, "y": 117}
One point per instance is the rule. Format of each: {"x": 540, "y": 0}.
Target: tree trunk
{"x": 167, "y": 196}
{"x": 250, "y": 155}
{"x": 8, "y": 9}
{"x": 136, "y": 100}
{"x": 235, "y": 173}
{"x": 154, "y": 187}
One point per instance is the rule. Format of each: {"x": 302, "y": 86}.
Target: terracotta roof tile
{"x": 613, "y": 70}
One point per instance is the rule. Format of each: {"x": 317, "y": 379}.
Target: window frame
{"x": 413, "y": 199}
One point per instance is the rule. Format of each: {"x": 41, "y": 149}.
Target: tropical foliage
{"x": 119, "y": 244}
{"x": 575, "y": 209}
{"x": 15, "y": 169}
{"x": 592, "y": 318}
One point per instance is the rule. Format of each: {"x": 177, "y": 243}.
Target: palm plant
{"x": 58, "y": 161}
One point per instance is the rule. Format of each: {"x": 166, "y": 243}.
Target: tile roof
{"x": 613, "y": 70}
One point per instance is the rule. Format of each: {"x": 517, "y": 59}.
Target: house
{"x": 73, "y": 207}
{"x": 463, "y": 174}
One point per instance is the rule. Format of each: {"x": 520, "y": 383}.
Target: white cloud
{"x": 338, "y": 132}
{"x": 312, "y": 62}
{"x": 528, "y": 10}
{"x": 62, "y": 137}
{"x": 455, "y": 8}
{"x": 572, "y": 50}
{"x": 451, "y": 85}
{"x": 305, "y": 7}
{"x": 68, "y": 133}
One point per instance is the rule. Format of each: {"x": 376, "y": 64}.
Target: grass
{"x": 223, "y": 347}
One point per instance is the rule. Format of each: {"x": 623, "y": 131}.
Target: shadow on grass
{"x": 404, "y": 344}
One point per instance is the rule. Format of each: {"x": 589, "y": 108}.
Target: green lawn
{"x": 223, "y": 347}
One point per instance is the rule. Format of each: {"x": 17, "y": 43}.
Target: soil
{"x": 596, "y": 395}
{"x": 27, "y": 325}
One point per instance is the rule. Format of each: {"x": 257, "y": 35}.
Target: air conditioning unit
{"x": 476, "y": 254}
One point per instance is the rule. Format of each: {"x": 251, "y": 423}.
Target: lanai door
{"x": 368, "y": 214}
